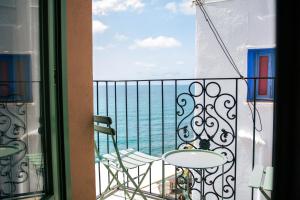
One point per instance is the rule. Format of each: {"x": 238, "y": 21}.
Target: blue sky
{"x": 143, "y": 39}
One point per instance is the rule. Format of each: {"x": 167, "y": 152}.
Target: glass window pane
{"x": 21, "y": 156}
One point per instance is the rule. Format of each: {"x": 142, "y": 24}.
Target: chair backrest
{"x": 256, "y": 176}
{"x": 103, "y": 129}
{"x": 268, "y": 181}
{"x": 106, "y": 129}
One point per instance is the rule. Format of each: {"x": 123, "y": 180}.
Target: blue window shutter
{"x": 253, "y": 71}
{"x": 18, "y": 79}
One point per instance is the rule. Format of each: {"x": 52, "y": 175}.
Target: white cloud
{"x": 99, "y": 27}
{"x": 105, "y": 47}
{"x": 185, "y": 7}
{"x": 171, "y": 6}
{"x": 102, "y": 7}
{"x": 120, "y": 37}
{"x": 155, "y": 43}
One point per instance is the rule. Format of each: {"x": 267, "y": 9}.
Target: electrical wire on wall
{"x": 254, "y": 110}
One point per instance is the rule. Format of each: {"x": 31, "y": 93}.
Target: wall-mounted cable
{"x": 225, "y": 50}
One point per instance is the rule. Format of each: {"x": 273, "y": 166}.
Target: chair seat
{"x": 130, "y": 158}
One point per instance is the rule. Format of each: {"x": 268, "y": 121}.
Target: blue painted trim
{"x": 253, "y": 71}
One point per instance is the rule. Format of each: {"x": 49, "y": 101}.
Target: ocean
{"x": 151, "y": 120}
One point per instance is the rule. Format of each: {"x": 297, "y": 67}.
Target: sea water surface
{"x": 144, "y": 117}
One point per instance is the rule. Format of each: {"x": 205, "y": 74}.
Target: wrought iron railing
{"x": 155, "y": 116}
{"x": 21, "y": 144}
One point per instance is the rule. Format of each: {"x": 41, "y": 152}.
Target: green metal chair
{"x": 37, "y": 161}
{"x": 262, "y": 179}
{"x": 121, "y": 161}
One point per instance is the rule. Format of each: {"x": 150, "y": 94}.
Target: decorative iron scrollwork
{"x": 13, "y": 169}
{"x": 206, "y": 120}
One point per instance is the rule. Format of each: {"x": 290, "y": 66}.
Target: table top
{"x": 8, "y": 151}
{"x": 194, "y": 158}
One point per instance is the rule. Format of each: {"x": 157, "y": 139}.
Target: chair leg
{"x": 118, "y": 182}
{"x": 122, "y": 185}
{"x": 109, "y": 184}
{"x": 139, "y": 185}
{"x": 265, "y": 194}
{"x": 135, "y": 185}
{"x": 124, "y": 182}
{"x": 107, "y": 189}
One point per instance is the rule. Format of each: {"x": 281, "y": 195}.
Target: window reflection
{"x": 21, "y": 157}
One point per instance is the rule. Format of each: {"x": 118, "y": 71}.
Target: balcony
{"x": 226, "y": 115}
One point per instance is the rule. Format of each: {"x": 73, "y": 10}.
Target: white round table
{"x": 7, "y": 151}
{"x": 196, "y": 159}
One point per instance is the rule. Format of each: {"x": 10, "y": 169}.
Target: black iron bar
{"x": 236, "y": 129}
{"x": 116, "y": 112}
{"x": 175, "y": 101}
{"x": 204, "y": 103}
{"x": 202, "y": 182}
{"x": 107, "y": 137}
{"x": 149, "y": 117}
{"x": 254, "y": 131}
{"x": 137, "y": 124}
{"x": 254, "y": 123}
{"x": 116, "y": 117}
{"x": 162, "y": 137}
{"x": 137, "y": 116}
{"x": 126, "y": 111}
{"x": 204, "y": 123}
{"x": 98, "y": 136}
{"x": 223, "y": 181}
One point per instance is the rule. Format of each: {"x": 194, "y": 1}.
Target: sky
{"x": 143, "y": 39}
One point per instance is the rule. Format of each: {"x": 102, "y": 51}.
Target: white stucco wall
{"x": 243, "y": 24}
